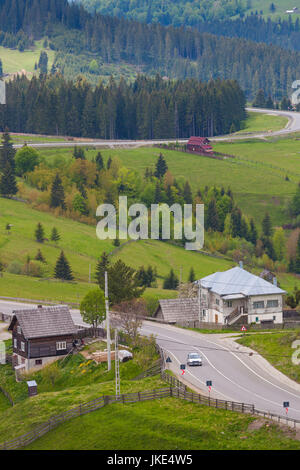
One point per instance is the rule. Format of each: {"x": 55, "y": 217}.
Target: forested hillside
{"x": 225, "y": 18}
{"x": 148, "y": 108}
{"x": 173, "y": 52}
{"x": 168, "y": 12}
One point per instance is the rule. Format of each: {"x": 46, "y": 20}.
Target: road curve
{"x": 235, "y": 375}
{"x": 292, "y": 126}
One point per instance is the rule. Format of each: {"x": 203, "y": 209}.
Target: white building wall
{"x": 256, "y": 315}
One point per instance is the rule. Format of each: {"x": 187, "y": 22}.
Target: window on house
{"x": 256, "y": 319}
{"x": 272, "y": 303}
{"x": 229, "y": 303}
{"x": 259, "y": 304}
{"x": 61, "y": 345}
{"x": 217, "y": 301}
{"x": 22, "y": 346}
{"x": 38, "y": 362}
{"x": 204, "y": 313}
{"x": 274, "y": 317}
{"x": 19, "y": 331}
{"x": 15, "y": 343}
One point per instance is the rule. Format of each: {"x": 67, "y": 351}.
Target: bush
{"x": 15, "y": 267}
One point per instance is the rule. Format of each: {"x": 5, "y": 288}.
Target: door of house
{"x": 216, "y": 318}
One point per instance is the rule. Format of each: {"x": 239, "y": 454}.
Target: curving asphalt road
{"x": 292, "y": 126}
{"x": 235, "y": 375}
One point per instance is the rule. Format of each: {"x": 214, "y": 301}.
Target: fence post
{"x": 171, "y": 392}
{"x": 243, "y": 408}
{"x": 139, "y": 395}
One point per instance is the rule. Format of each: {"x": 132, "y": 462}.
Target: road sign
{"x": 208, "y": 383}
{"x": 168, "y": 359}
{"x": 286, "y": 405}
{"x": 182, "y": 367}
{"x": 243, "y": 328}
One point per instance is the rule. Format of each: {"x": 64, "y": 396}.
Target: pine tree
{"x": 102, "y": 266}
{"x": 192, "y": 277}
{"x": 40, "y": 257}
{"x": 57, "y": 198}
{"x": 39, "y": 233}
{"x": 161, "y": 167}
{"x": 187, "y": 193}
{"x": 8, "y": 184}
{"x": 55, "y": 236}
{"x": 171, "y": 282}
{"x": 212, "y": 220}
{"x": 267, "y": 225}
{"x": 7, "y": 151}
{"x": 62, "y": 269}
{"x": 99, "y": 161}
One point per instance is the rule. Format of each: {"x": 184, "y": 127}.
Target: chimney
{"x": 275, "y": 281}
{"x": 241, "y": 264}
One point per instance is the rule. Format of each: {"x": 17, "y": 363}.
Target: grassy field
{"x": 15, "y": 61}
{"x": 75, "y": 381}
{"x": 257, "y": 122}
{"x": 165, "y": 424}
{"x": 281, "y": 7}
{"x": 277, "y": 349}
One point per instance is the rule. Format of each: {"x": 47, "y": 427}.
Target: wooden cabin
{"x": 41, "y": 335}
{"x": 199, "y": 145}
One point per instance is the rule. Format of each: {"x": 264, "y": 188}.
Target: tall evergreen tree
{"x": 57, "y": 198}
{"x": 161, "y": 167}
{"x": 39, "y": 233}
{"x": 102, "y": 266}
{"x": 55, "y": 236}
{"x": 62, "y": 269}
{"x": 267, "y": 225}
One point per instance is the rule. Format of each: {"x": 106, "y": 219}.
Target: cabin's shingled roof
{"x": 44, "y": 322}
{"x": 176, "y": 310}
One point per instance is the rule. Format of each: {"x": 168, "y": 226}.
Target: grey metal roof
{"x": 45, "y": 322}
{"x": 238, "y": 281}
{"x": 176, "y": 310}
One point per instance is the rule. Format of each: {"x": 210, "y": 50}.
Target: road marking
{"x": 236, "y": 384}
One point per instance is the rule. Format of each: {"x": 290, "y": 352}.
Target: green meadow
{"x": 257, "y": 122}
{"x": 15, "y": 61}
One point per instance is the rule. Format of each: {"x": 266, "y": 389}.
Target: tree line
{"x": 145, "y": 109}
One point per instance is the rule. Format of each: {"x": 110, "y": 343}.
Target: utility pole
{"x": 117, "y": 365}
{"x": 107, "y": 323}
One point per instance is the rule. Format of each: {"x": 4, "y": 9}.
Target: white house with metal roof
{"x": 237, "y": 296}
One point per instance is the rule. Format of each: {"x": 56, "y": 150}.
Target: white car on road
{"x": 194, "y": 359}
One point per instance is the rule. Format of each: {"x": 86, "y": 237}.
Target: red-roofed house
{"x": 199, "y": 145}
